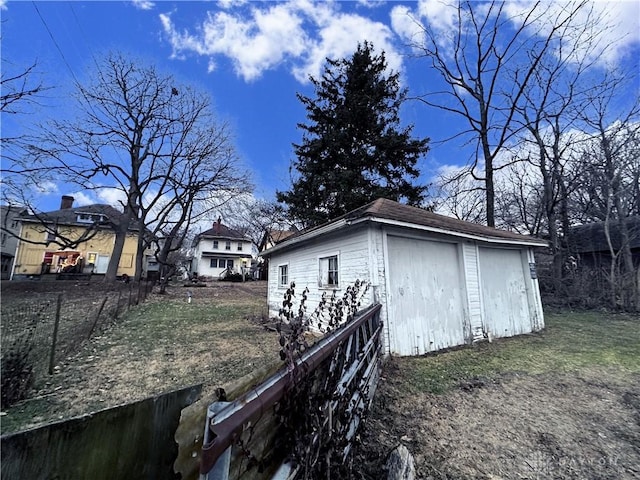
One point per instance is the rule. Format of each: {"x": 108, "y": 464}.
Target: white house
{"x": 9, "y": 233}
{"x": 221, "y": 249}
{"x": 442, "y": 282}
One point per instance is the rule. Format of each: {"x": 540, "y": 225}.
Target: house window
{"x": 215, "y": 244}
{"x": 329, "y": 271}
{"x": 283, "y": 275}
{"x": 227, "y": 245}
{"x": 239, "y": 246}
{"x": 221, "y": 263}
{"x": 90, "y": 218}
{"x": 51, "y": 237}
{"x": 4, "y": 238}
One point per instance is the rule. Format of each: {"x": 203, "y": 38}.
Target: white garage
{"x": 442, "y": 282}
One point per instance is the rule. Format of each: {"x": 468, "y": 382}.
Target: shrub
{"x": 17, "y": 372}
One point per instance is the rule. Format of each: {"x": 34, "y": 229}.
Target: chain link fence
{"x": 37, "y": 332}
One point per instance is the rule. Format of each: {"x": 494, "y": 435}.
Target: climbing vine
{"x": 317, "y": 410}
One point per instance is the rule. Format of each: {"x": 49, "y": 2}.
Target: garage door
{"x": 504, "y": 294}
{"x": 425, "y": 306}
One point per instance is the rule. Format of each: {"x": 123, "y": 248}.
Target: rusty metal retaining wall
{"x": 130, "y": 441}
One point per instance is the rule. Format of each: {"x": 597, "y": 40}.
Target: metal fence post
{"x": 52, "y": 355}
{"x": 220, "y": 470}
{"x": 97, "y": 317}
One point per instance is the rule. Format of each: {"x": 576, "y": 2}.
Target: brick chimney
{"x": 66, "y": 202}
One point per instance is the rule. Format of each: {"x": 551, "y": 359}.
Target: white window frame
{"x": 239, "y": 246}
{"x": 215, "y": 245}
{"x": 227, "y": 245}
{"x": 285, "y": 283}
{"x": 324, "y": 273}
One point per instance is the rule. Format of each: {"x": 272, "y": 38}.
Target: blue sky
{"x": 252, "y": 57}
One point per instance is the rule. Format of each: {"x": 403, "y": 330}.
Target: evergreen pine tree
{"x": 353, "y": 149}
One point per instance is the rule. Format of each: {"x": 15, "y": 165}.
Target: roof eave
{"x": 509, "y": 241}
{"x": 385, "y": 221}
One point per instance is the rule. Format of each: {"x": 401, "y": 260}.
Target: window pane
{"x": 239, "y": 246}
{"x": 329, "y": 271}
{"x": 215, "y": 244}
{"x": 227, "y": 245}
{"x": 214, "y": 263}
{"x": 284, "y": 275}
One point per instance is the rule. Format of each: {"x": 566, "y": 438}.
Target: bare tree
{"x": 610, "y": 175}
{"x": 19, "y": 89}
{"x": 487, "y": 62}
{"x": 256, "y": 217}
{"x": 155, "y": 141}
{"x": 550, "y": 117}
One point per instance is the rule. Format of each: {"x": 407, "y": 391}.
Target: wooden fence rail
{"x": 240, "y": 436}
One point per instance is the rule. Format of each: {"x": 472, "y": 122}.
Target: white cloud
{"x": 143, "y": 4}
{"x": 80, "y": 199}
{"x": 3, "y": 4}
{"x": 111, "y": 196}
{"x": 407, "y": 26}
{"x": 46, "y": 187}
{"x": 299, "y": 34}
{"x": 617, "y": 29}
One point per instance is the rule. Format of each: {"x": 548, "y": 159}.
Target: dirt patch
{"x": 561, "y": 426}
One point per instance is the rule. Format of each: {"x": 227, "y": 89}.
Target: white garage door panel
{"x": 504, "y": 293}
{"x": 426, "y": 310}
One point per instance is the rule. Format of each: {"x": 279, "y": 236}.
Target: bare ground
{"x": 560, "y": 426}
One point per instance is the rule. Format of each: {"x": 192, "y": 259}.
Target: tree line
{"x": 554, "y": 144}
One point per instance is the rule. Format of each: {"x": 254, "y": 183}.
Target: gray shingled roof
{"x": 590, "y": 237}
{"x": 385, "y": 209}
{"x": 220, "y": 230}
{"x": 69, "y": 216}
{"x": 390, "y": 210}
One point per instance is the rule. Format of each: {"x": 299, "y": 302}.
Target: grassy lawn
{"x": 563, "y": 403}
{"x": 571, "y": 343}
{"x": 161, "y": 345}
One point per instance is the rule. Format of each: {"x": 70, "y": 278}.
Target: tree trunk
{"x": 140, "y": 255}
{"x": 114, "y": 260}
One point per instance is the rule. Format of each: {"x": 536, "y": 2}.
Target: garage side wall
{"x": 303, "y": 268}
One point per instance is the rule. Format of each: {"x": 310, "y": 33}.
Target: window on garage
{"x": 329, "y": 271}
{"x": 283, "y": 275}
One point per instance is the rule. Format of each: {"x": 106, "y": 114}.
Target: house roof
{"x": 69, "y": 216}
{"x": 275, "y": 237}
{"x": 221, "y": 231}
{"x": 591, "y": 237}
{"x": 387, "y": 211}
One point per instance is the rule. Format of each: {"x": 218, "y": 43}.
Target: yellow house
{"x": 72, "y": 239}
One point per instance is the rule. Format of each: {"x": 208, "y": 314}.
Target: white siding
{"x": 436, "y": 291}
{"x": 426, "y": 296}
{"x": 504, "y": 292}
{"x": 353, "y": 264}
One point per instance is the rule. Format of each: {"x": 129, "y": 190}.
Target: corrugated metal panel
{"x": 426, "y": 300}
{"x": 474, "y": 297}
{"x": 504, "y": 293}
